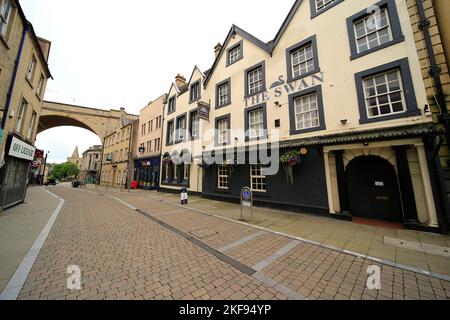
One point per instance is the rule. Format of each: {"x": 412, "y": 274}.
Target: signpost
{"x": 246, "y": 201}
{"x": 184, "y": 196}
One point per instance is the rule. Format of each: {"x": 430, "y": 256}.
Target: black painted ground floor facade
{"x": 390, "y": 175}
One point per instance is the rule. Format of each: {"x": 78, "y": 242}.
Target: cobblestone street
{"x": 144, "y": 246}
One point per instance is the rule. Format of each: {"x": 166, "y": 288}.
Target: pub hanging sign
{"x": 203, "y": 110}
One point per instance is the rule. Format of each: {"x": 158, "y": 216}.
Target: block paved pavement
{"x": 170, "y": 253}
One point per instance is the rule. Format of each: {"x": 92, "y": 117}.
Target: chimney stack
{"x": 180, "y": 80}
{"x": 217, "y": 49}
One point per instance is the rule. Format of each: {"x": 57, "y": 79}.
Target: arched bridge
{"x": 100, "y": 122}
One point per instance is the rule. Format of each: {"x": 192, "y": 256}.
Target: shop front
{"x": 147, "y": 173}
{"x": 15, "y": 173}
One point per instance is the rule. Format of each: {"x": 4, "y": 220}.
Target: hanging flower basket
{"x": 291, "y": 159}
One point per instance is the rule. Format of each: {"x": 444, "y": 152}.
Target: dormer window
{"x": 235, "y": 53}
{"x": 195, "y": 92}
{"x": 172, "y": 105}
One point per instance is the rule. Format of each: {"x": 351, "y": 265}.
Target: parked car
{"x": 50, "y": 182}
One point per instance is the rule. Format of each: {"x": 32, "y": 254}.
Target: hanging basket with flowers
{"x": 291, "y": 159}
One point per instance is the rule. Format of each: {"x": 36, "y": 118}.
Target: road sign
{"x": 246, "y": 201}
{"x": 184, "y": 196}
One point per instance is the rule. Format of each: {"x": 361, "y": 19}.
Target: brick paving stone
{"x": 124, "y": 255}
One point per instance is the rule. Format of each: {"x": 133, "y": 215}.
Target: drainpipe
{"x": 130, "y": 145}
{"x": 435, "y": 70}
{"x": 13, "y": 82}
{"x": 444, "y": 117}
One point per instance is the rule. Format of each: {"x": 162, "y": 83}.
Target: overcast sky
{"x": 109, "y": 54}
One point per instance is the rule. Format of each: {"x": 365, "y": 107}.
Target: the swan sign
{"x": 280, "y": 88}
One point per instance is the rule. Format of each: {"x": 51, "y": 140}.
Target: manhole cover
{"x": 203, "y": 233}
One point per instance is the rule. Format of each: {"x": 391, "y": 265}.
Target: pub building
{"x": 344, "y": 109}
{"x": 19, "y": 156}
{"x": 182, "y": 134}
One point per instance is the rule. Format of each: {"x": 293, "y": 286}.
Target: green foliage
{"x": 65, "y": 170}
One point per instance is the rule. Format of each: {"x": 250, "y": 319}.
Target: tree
{"x": 65, "y": 170}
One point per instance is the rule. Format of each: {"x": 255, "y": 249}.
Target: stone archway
{"x": 100, "y": 122}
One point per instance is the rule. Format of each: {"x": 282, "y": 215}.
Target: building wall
{"x": 23, "y": 88}
{"x": 437, "y": 14}
{"x": 338, "y": 88}
{"x": 150, "y": 118}
{"x": 9, "y": 48}
{"x": 117, "y": 144}
{"x": 184, "y": 107}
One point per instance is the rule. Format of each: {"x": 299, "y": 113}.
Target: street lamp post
{"x": 43, "y": 172}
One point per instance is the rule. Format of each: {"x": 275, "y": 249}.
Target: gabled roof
{"x": 268, "y": 47}
{"x": 285, "y": 24}
{"x": 192, "y": 74}
{"x": 244, "y": 34}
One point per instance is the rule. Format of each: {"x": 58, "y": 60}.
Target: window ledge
{"x": 380, "y": 47}
{"x": 5, "y": 43}
{"x": 405, "y": 114}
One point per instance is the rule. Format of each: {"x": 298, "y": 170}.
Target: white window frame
{"x": 256, "y": 129}
{"x": 388, "y": 93}
{"x": 222, "y": 131}
{"x": 255, "y": 80}
{"x": 181, "y": 130}
{"x": 31, "y": 126}
{"x": 324, "y": 4}
{"x": 31, "y": 68}
{"x": 376, "y": 30}
{"x": 195, "y": 91}
{"x": 5, "y": 17}
{"x": 257, "y": 179}
{"x": 235, "y": 54}
{"x": 223, "y": 90}
{"x": 223, "y": 176}
{"x": 308, "y": 114}
{"x": 195, "y": 125}
{"x": 21, "y": 115}
{"x": 307, "y": 62}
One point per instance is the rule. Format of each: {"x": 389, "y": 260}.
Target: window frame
{"x": 180, "y": 117}
{"x": 219, "y": 176}
{"x": 217, "y": 121}
{"x": 308, "y": 41}
{"x": 168, "y": 142}
{"x": 247, "y": 71}
{"x": 247, "y": 111}
{"x": 191, "y": 125}
{"x": 8, "y": 18}
{"x": 315, "y": 13}
{"x": 31, "y": 125}
{"x": 21, "y": 115}
{"x": 218, "y": 105}
{"x": 411, "y": 106}
{"x": 257, "y": 177}
{"x": 174, "y": 99}
{"x": 394, "y": 22}
{"x": 239, "y": 44}
{"x": 196, "y": 83}
{"x": 32, "y": 65}
{"x": 292, "y": 118}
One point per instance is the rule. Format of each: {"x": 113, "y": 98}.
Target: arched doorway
{"x": 373, "y": 189}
